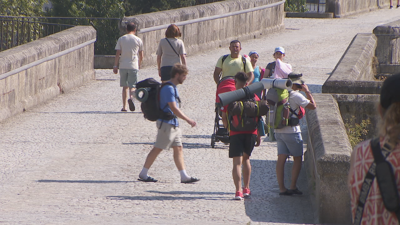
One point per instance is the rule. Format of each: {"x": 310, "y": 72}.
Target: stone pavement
{"x": 75, "y": 159}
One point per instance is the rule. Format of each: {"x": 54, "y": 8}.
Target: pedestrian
{"x": 391, "y": 4}
{"x": 362, "y": 160}
{"x": 258, "y": 72}
{"x": 169, "y": 133}
{"x": 289, "y": 140}
{"x": 129, "y": 57}
{"x": 278, "y": 69}
{"x": 241, "y": 145}
{"x": 171, "y": 50}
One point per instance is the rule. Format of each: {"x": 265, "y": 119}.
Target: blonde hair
{"x": 390, "y": 125}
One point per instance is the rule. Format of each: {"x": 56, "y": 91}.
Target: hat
{"x": 279, "y": 49}
{"x": 390, "y": 92}
{"x": 254, "y": 52}
{"x": 296, "y": 78}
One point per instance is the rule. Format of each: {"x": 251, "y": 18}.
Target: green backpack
{"x": 279, "y": 108}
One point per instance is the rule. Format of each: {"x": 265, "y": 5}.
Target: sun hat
{"x": 296, "y": 78}
{"x": 253, "y": 52}
{"x": 279, "y": 49}
{"x": 390, "y": 92}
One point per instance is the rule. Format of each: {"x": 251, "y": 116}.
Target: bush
{"x": 296, "y": 6}
{"x": 356, "y": 132}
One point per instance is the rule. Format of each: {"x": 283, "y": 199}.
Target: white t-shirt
{"x": 130, "y": 45}
{"x": 168, "y": 55}
{"x": 296, "y": 99}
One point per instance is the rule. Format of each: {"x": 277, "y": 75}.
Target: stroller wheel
{"x": 212, "y": 140}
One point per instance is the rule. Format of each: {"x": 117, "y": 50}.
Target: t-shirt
{"x": 169, "y": 93}
{"x": 296, "y": 99}
{"x": 271, "y": 67}
{"x": 168, "y": 56}
{"x": 130, "y": 45}
{"x": 232, "y": 66}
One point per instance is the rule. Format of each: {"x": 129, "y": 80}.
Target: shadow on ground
{"x": 265, "y": 203}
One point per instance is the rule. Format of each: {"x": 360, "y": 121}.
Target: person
{"x": 258, "y": 72}
{"x": 169, "y": 134}
{"x": 289, "y": 140}
{"x": 391, "y": 4}
{"x": 129, "y": 55}
{"x": 278, "y": 69}
{"x": 241, "y": 146}
{"x": 171, "y": 50}
{"x": 362, "y": 157}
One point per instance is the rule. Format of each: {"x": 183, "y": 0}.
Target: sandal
{"x": 287, "y": 192}
{"x": 192, "y": 180}
{"x": 131, "y": 105}
{"x": 123, "y": 110}
{"x": 149, "y": 179}
{"x": 296, "y": 191}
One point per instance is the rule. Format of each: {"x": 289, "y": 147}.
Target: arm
{"x": 267, "y": 72}
{"x": 251, "y": 77}
{"x": 159, "y": 65}
{"x": 177, "y": 112}
{"x": 224, "y": 120}
{"x": 312, "y": 105}
{"x": 217, "y": 72}
{"x": 115, "y": 67}
{"x": 141, "y": 54}
{"x": 183, "y": 59}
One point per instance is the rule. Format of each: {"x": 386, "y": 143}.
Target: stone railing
{"x": 343, "y": 8}
{"x": 35, "y": 72}
{"x": 206, "y": 27}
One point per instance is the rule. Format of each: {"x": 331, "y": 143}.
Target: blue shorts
{"x": 165, "y": 73}
{"x": 289, "y": 144}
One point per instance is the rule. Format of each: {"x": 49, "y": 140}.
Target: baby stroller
{"x": 220, "y": 132}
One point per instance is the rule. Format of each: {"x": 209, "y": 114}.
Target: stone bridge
{"x": 75, "y": 159}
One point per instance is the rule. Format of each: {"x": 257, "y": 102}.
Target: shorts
{"x": 289, "y": 144}
{"x": 128, "y": 77}
{"x": 166, "y": 73}
{"x": 168, "y": 136}
{"x": 240, "y": 143}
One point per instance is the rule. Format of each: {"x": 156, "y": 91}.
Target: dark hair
{"x": 234, "y": 42}
{"x": 131, "y": 26}
{"x": 178, "y": 69}
{"x": 173, "y": 31}
{"x": 298, "y": 86}
{"x": 241, "y": 77}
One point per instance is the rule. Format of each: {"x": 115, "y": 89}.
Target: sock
{"x": 184, "y": 176}
{"x": 143, "y": 174}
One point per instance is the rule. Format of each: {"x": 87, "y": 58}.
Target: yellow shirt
{"x": 232, "y": 66}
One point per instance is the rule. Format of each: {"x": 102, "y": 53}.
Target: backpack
{"x": 151, "y": 99}
{"x": 239, "y": 120}
{"x": 243, "y": 60}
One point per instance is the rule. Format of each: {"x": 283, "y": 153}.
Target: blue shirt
{"x": 257, "y": 74}
{"x": 169, "y": 93}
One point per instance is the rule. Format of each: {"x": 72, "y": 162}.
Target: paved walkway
{"x": 75, "y": 160}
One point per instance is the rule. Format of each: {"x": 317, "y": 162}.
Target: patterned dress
{"x": 374, "y": 210}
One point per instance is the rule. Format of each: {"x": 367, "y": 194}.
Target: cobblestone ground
{"x": 76, "y": 159}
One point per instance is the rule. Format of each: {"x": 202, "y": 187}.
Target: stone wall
{"x": 209, "y": 26}
{"x": 35, "y": 72}
{"x": 342, "y": 8}
{"x": 327, "y": 161}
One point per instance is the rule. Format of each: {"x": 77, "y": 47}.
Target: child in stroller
{"x": 220, "y": 132}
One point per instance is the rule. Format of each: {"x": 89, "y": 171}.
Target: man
{"x": 241, "y": 146}
{"x": 233, "y": 63}
{"x": 129, "y": 55}
{"x": 289, "y": 140}
{"x": 169, "y": 133}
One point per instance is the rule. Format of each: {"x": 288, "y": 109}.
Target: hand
{"x": 159, "y": 72}
{"x": 115, "y": 70}
{"x": 191, "y": 122}
{"x": 258, "y": 141}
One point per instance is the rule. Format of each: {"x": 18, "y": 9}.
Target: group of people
{"x": 242, "y": 71}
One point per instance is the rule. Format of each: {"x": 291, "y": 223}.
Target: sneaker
{"x": 246, "y": 192}
{"x": 238, "y": 195}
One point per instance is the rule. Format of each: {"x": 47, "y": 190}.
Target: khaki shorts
{"x": 128, "y": 77}
{"x": 168, "y": 136}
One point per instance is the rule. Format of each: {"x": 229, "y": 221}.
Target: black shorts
{"x": 240, "y": 143}
{"x": 166, "y": 73}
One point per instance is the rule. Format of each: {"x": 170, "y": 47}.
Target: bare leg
{"x": 125, "y": 94}
{"x": 295, "y": 171}
{"x": 151, "y": 157}
{"x": 132, "y": 94}
{"x": 280, "y": 167}
{"x": 236, "y": 172}
{"x": 246, "y": 170}
{"x": 178, "y": 157}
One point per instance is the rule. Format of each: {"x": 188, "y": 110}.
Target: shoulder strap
{"x": 244, "y": 63}
{"x": 172, "y": 47}
{"x": 176, "y": 95}
{"x": 224, "y": 57}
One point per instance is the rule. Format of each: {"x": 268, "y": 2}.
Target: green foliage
{"x": 134, "y": 7}
{"x": 296, "y": 6}
{"x": 22, "y": 7}
{"x": 356, "y": 132}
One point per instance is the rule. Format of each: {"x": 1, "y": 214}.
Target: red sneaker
{"x": 246, "y": 192}
{"x": 238, "y": 195}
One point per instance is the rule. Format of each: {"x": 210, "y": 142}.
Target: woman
{"x": 170, "y": 51}
{"x": 278, "y": 69}
{"x": 374, "y": 211}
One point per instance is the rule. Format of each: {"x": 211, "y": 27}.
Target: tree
{"x": 135, "y": 7}
{"x": 22, "y": 7}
